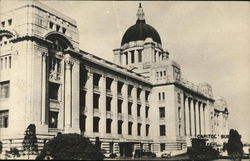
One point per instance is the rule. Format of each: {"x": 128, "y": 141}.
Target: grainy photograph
{"x": 124, "y": 80}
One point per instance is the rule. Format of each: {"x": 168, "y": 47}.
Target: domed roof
{"x": 140, "y": 31}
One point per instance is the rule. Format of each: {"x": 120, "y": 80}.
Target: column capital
{"x": 45, "y": 54}
{"x": 68, "y": 63}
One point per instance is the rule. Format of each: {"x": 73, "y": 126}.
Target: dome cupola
{"x": 141, "y": 30}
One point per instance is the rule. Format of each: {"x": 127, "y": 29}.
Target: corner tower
{"x": 140, "y": 47}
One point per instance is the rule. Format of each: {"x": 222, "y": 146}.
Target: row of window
{"x": 161, "y": 96}
{"x": 119, "y": 129}
{"x": 161, "y": 74}
{"x": 4, "y": 89}
{"x": 4, "y": 119}
{"x": 57, "y": 27}
{"x": 5, "y": 62}
{"x": 96, "y": 81}
{"x": 132, "y": 57}
{"x": 5, "y": 23}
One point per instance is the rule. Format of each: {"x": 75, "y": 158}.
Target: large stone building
{"x": 139, "y": 101}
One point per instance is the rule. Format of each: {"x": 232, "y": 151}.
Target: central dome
{"x": 140, "y": 31}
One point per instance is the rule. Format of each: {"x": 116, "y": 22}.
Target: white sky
{"x": 210, "y": 40}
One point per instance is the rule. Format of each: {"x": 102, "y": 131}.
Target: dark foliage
{"x": 14, "y": 152}
{"x": 234, "y": 145}
{"x": 1, "y": 147}
{"x": 30, "y": 139}
{"x": 70, "y": 146}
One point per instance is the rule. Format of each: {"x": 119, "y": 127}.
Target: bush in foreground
{"x": 70, "y": 146}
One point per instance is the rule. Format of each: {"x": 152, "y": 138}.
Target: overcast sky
{"x": 210, "y": 40}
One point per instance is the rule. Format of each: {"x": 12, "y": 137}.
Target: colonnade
{"x": 196, "y": 117}
{"x": 114, "y": 115}
{"x": 136, "y": 56}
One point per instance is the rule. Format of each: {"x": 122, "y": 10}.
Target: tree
{"x": 30, "y": 140}
{"x": 70, "y": 147}
{"x": 234, "y": 145}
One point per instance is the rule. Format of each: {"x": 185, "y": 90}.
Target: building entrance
{"x": 126, "y": 149}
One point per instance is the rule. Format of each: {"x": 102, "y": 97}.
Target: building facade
{"x": 138, "y": 101}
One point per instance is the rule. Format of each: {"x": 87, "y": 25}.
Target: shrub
{"x": 70, "y": 146}
{"x": 30, "y": 140}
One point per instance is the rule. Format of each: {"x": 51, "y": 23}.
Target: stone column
{"x": 143, "y": 115}
{"x": 114, "y": 108}
{"x": 89, "y": 104}
{"x": 197, "y": 126}
{"x": 68, "y": 92}
{"x": 102, "y": 103}
{"x": 206, "y": 118}
{"x": 44, "y": 90}
{"x": 156, "y": 56}
{"x": 202, "y": 119}
{"x": 125, "y": 108}
{"x": 134, "y": 111}
{"x": 159, "y": 56}
{"x": 136, "y": 56}
{"x": 192, "y": 117}
{"x": 187, "y": 119}
{"x": 129, "y": 57}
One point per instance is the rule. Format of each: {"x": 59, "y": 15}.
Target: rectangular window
{"x": 6, "y": 63}
{"x": 108, "y": 125}
{"x": 108, "y": 103}
{"x": 108, "y": 83}
{"x": 138, "y": 110}
{"x": 64, "y": 30}
{"x": 10, "y": 62}
{"x": 165, "y": 73}
{"x": 119, "y": 109}
{"x": 51, "y": 25}
{"x": 146, "y": 111}
{"x": 130, "y": 124}
{"x": 4, "y": 119}
{"x": 139, "y": 129}
{"x": 138, "y": 93}
{"x": 163, "y": 95}
{"x": 57, "y": 28}
{"x": 161, "y": 74}
{"x": 147, "y": 129}
{"x": 130, "y": 90}
{"x": 120, "y": 126}
{"x": 162, "y": 130}
{"x": 4, "y": 89}
{"x": 159, "y": 96}
{"x": 132, "y": 57}
{"x": 129, "y": 108}
{"x": 53, "y": 90}
{"x": 120, "y": 84}
{"x": 96, "y": 124}
{"x": 10, "y": 22}
{"x": 162, "y": 146}
{"x": 126, "y": 54}
{"x": 53, "y": 119}
{"x": 96, "y": 100}
{"x": 157, "y": 74}
{"x": 162, "y": 112}
{"x": 146, "y": 95}
{"x": 3, "y": 24}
